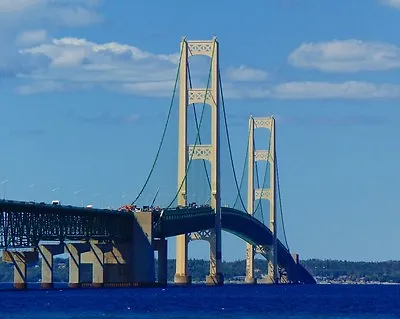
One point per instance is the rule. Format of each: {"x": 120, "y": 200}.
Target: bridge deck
{"x": 24, "y": 224}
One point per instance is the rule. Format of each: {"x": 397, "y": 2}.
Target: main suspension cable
{"x": 229, "y": 143}
{"x": 280, "y": 201}
{"x": 163, "y": 134}
{"x": 244, "y": 168}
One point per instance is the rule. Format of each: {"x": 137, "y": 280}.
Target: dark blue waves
{"x": 230, "y": 301}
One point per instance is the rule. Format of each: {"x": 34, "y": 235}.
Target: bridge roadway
{"x": 24, "y": 224}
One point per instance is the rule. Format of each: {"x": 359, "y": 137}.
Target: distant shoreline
{"x": 324, "y": 271}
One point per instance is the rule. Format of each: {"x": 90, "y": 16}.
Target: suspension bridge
{"x": 120, "y": 244}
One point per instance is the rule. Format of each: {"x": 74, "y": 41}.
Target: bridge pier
{"x": 98, "y": 252}
{"x": 20, "y": 259}
{"x": 143, "y": 251}
{"x": 161, "y": 246}
{"x": 250, "y": 279}
{"x": 117, "y": 265}
{"x": 75, "y": 250}
{"x": 215, "y": 278}
{"x": 272, "y": 277}
{"x": 181, "y": 277}
{"x": 47, "y": 253}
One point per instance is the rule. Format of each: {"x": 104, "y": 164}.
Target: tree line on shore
{"x": 387, "y": 271}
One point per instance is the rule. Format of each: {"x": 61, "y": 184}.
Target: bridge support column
{"x": 47, "y": 253}
{"x": 250, "y": 279}
{"x": 181, "y": 274}
{"x": 20, "y": 259}
{"x": 215, "y": 278}
{"x": 162, "y": 271}
{"x": 75, "y": 250}
{"x": 272, "y": 269}
{"x": 283, "y": 276}
{"x": 98, "y": 252}
{"x": 117, "y": 265}
{"x": 143, "y": 251}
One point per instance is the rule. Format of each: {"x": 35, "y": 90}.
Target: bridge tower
{"x": 262, "y": 193}
{"x": 210, "y": 152}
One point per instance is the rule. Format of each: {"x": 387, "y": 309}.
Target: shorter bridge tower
{"x": 187, "y": 97}
{"x": 262, "y": 193}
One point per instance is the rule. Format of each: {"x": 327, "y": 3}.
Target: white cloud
{"x": 25, "y": 23}
{"x": 68, "y": 63}
{"x": 317, "y": 90}
{"x": 77, "y": 64}
{"x": 392, "y": 3}
{"x": 31, "y": 37}
{"x": 111, "y": 65}
{"x": 246, "y": 74}
{"x": 346, "y": 56}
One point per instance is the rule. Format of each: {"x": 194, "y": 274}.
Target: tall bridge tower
{"x": 262, "y": 193}
{"x": 209, "y": 152}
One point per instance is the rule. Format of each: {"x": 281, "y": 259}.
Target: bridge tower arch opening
{"x": 211, "y": 153}
{"x": 262, "y": 194}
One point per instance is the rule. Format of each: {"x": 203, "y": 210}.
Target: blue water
{"x": 230, "y": 301}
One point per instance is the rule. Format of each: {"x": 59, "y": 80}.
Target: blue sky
{"x": 85, "y": 87}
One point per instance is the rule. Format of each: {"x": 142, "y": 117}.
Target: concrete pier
{"x": 75, "y": 250}
{"x": 215, "y": 278}
{"x": 47, "y": 253}
{"x": 20, "y": 259}
{"x": 98, "y": 273}
{"x": 117, "y": 265}
{"x": 181, "y": 277}
{"x": 142, "y": 250}
{"x": 250, "y": 279}
{"x": 161, "y": 246}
